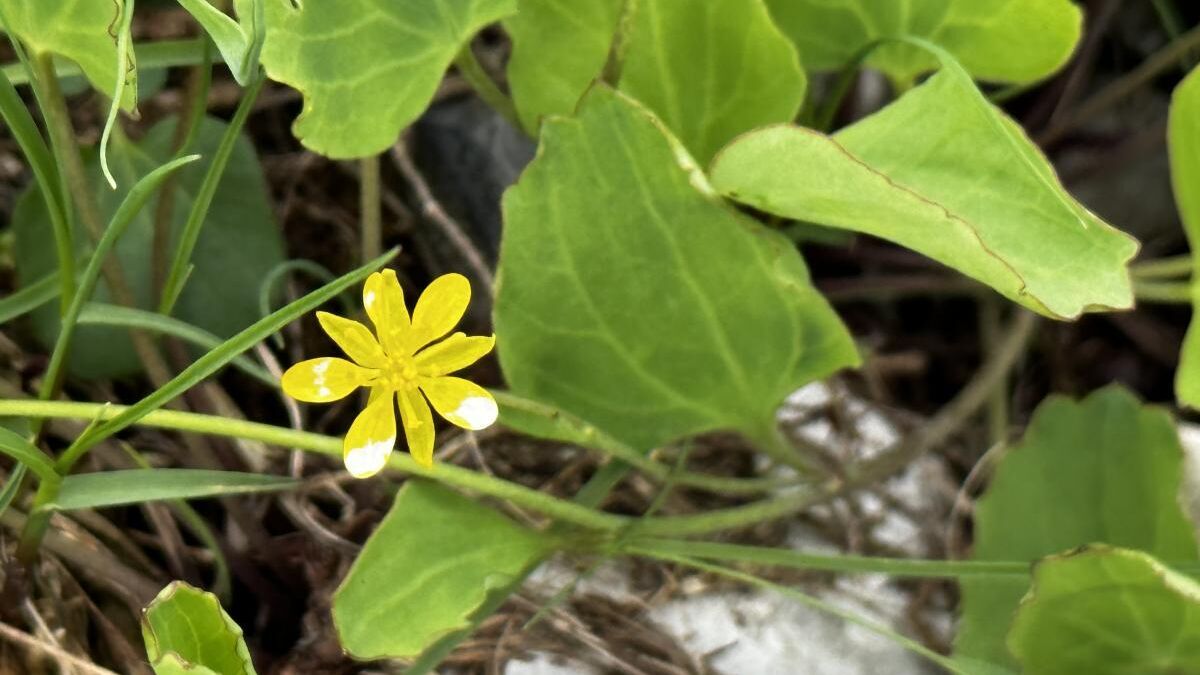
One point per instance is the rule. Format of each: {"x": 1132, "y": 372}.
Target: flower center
{"x": 401, "y": 373}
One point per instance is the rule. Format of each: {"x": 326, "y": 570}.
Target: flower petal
{"x": 460, "y": 401}
{"x": 325, "y": 379}
{"x": 418, "y": 425}
{"x": 384, "y": 301}
{"x": 454, "y": 353}
{"x": 439, "y": 308}
{"x": 371, "y": 438}
{"x": 355, "y": 339}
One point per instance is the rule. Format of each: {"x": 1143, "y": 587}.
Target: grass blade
{"x": 29, "y": 298}
{"x": 102, "y": 314}
{"x": 16, "y": 446}
{"x": 130, "y": 207}
{"x": 136, "y": 486}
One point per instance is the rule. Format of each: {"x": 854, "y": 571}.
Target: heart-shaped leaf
{"x": 81, "y": 30}
{"x": 1106, "y": 469}
{"x": 945, "y": 173}
{"x": 1108, "y": 611}
{"x": 710, "y": 69}
{"x": 997, "y": 40}
{"x": 367, "y": 68}
{"x": 431, "y": 563}
{"x": 188, "y": 633}
{"x": 634, "y": 298}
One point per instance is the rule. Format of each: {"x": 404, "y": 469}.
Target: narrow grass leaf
{"x": 138, "y": 486}
{"x": 103, "y": 314}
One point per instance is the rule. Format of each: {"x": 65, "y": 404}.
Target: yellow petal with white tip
{"x": 355, "y": 340}
{"x": 439, "y": 309}
{"x": 325, "y": 379}
{"x": 418, "y": 425}
{"x": 454, "y": 353}
{"x": 370, "y": 439}
{"x": 384, "y": 301}
{"x": 462, "y": 402}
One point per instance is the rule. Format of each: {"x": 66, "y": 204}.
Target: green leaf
{"x": 710, "y": 69}
{"x": 24, "y": 452}
{"x": 367, "y": 68}
{"x": 136, "y": 486}
{"x": 240, "y": 42}
{"x": 81, "y": 30}
{"x": 29, "y": 298}
{"x": 237, "y": 249}
{"x": 999, "y": 40}
{"x": 1106, "y": 469}
{"x": 1106, "y": 611}
{"x": 188, "y": 633}
{"x": 434, "y": 559}
{"x": 1183, "y": 142}
{"x": 721, "y": 323}
{"x": 945, "y": 173}
{"x": 559, "y": 48}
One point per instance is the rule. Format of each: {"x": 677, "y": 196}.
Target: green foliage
{"x": 633, "y": 298}
{"x": 81, "y": 30}
{"x": 239, "y": 42}
{"x": 1106, "y": 469}
{"x": 710, "y": 69}
{"x": 945, "y": 173}
{"x": 1183, "y": 141}
{"x": 999, "y": 40}
{"x": 1106, "y": 611}
{"x": 375, "y": 62}
{"x": 188, "y": 633}
{"x": 430, "y": 564}
{"x": 236, "y": 251}
{"x": 559, "y": 47}
{"x": 136, "y": 486}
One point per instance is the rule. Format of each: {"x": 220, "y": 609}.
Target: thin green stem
{"x": 775, "y": 557}
{"x": 1164, "y": 292}
{"x": 483, "y": 84}
{"x": 370, "y": 211}
{"x": 76, "y": 184}
{"x": 324, "y": 445}
{"x": 1164, "y": 268}
{"x": 181, "y": 262}
{"x": 25, "y": 131}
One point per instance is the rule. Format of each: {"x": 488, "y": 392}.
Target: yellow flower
{"x": 403, "y": 362}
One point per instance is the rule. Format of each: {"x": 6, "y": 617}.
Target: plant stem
{"x": 472, "y": 71}
{"x": 62, "y": 135}
{"x": 370, "y": 215}
{"x": 325, "y": 445}
{"x": 1164, "y": 268}
{"x": 1165, "y": 292}
{"x": 25, "y": 131}
{"x": 937, "y": 430}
